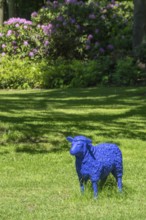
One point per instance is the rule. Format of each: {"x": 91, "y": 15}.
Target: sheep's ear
{"x": 89, "y": 141}
{"x": 70, "y": 139}
{"x": 89, "y": 145}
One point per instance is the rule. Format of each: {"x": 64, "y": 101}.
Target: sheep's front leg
{"x": 95, "y": 188}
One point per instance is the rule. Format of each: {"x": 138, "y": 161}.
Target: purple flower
{"x": 31, "y": 54}
{"x": 35, "y": 51}
{"x": 14, "y": 42}
{"x": 88, "y": 47}
{"x": 71, "y": 1}
{"x": 15, "y": 47}
{"x": 101, "y": 50}
{"x": 9, "y": 33}
{"x": 25, "y": 43}
{"x": 17, "y": 20}
{"x": 34, "y": 14}
{"x": 90, "y": 37}
{"x": 110, "y": 47}
{"x": 117, "y": 5}
{"x": 60, "y": 18}
{"x": 3, "y": 46}
{"x": 46, "y": 43}
{"x": 47, "y": 29}
{"x": 1, "y": 34}
{"x": 25, "y": 27}
{"x": 72, "y": 20}
{"x": 3, "y": 54}
{"x": 17, "y": 25}
{"x": 55, "y": 4}
{"x": 92, "y": 16}
{"x": 38, "y": 26}
{"x": 96, "y": 31}
{"x": 110, "y": 6}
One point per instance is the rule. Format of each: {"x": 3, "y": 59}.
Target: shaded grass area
{"x": 37, "y": 176}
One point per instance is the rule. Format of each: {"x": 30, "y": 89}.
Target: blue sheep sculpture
{"x": 96, "y": 162}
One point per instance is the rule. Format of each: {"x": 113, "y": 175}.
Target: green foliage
{"x": 56, "y": 74}
{"x": 20, "y": 73}
{"x": 25, "y": 73}
{"x": 126, "y": 72}
{"x": 73, "y": 73}
{"x": 141, "y": 52}
{"x": 91, "y": 73}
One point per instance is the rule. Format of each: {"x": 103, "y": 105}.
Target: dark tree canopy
{"x": 20, "y": 8}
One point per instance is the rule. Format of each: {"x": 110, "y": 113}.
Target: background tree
{"x": 18, "y": 8}
{"x": 1, "y": 11}
{"x": 139, "y": 28}
{"x": 11, "y": 8}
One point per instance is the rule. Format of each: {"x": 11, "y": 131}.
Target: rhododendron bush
{"x": 72, "y": 29}
{"x": 69, "y": 44}
{"x": 20, "y": 37}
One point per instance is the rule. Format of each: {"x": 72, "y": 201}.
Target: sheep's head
{"x": 79, "y": 145}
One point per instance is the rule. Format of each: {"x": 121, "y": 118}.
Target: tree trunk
{"x": 139, "y": 28}
{"x": 11, "y": 8}
{"x": 1, "y": 11}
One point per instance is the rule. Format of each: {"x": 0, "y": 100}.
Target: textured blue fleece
{"x": 96, "y": 162}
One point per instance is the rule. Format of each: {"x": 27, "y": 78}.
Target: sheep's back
{"x": 107, "y": 151}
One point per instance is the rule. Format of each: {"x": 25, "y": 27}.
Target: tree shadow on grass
{"x": 4, "y": 152}
{"x": 40, "y": 149}
{"x": 48, "y": 116}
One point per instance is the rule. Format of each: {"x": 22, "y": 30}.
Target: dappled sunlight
{"x": 37, "y": 116}
{"x": 34, "y": 155}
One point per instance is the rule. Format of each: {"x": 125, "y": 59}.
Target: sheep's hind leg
{"x": 119, "y": 183}
{"x": 82, "y": 185}
{"x": 95, "y": 189}
{"x": 118, "y": 180}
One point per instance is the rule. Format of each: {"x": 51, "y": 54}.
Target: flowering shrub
{"x": 80, "y": 29}
{"x": 20, "y": 37}
{"x": 87, "y": 30}
{"x": 72, "y": 29}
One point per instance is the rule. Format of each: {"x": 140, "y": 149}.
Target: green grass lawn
{"x": 37, "y": 175}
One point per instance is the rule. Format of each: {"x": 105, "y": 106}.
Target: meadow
{"x": 37, "y": 174}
